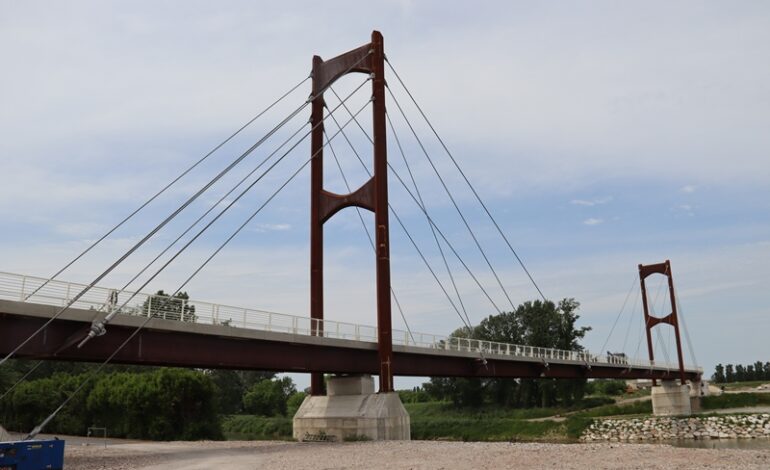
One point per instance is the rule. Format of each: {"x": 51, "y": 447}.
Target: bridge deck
{"x": 187, "y": 344}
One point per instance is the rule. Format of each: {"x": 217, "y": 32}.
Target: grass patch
{"x": 256, "y": 428}
{"x": 734, "y": 400}
{"x": 739, "y": 385}
{"x": 444, "y": 410}
{"x": 635, "y": 408}
{"x": 575, "y": 425}
{"x": 470, "y": 429}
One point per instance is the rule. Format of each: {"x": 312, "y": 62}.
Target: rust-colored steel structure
{"x": 372, "y": 195}
{"x": 173, "y": 344}
{"x": 671, "y": 319}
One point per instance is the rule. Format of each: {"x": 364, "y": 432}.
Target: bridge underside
{"x": 176, "y": 344}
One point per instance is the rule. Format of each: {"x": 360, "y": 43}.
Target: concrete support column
{"x": 671, "y": 399}
{"x": 352, "y": 411}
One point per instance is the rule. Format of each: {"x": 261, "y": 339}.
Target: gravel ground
{"x": 422, "y": 455}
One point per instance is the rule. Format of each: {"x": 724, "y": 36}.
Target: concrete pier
{"x": 352, "y": 411}
{"x": 671, "y": 399}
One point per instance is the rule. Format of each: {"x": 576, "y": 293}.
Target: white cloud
{"x": 688, "y": 189}
{"x": 272, "y": 228}
{"x": 591, "y": 202}
{"x": 593, "y": 221}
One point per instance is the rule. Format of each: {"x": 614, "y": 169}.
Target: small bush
{"x": 249, "y": 427}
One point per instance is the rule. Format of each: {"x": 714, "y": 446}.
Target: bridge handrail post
{"x": 244, "y": 318}
{"x": 358, "y": 334}
{"x": 149, "y": 306}
{"x": 23, "y": 286}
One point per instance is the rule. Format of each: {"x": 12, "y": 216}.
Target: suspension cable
{"x": 686, "y": 333}
{"x": 163, "y": 190}
{"x": 440, "y": 232}
{"x": 454, "y": 202}
{"x": 97, "y": 329}
{"x": 93, "y": 373}
{"x": 409, "y": 236}
{"x": 631, "y": 318}
{"x": 432, "y": 230}
{"x": 497, "y": 226}
{"x": 366, "y": 228}
{"x": 154, "y": 231}
{"x": 22, "y": 379}
{"x": 122, "y": 258}
{"x": 633, "y": 282}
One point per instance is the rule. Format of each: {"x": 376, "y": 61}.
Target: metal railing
{"x": 25, "y": 288}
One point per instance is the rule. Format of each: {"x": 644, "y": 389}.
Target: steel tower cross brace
{"x": 671, "y": 319}
{"x": 372, "y": 195}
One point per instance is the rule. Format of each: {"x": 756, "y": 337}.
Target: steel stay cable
{"x": 152, "y": 233}
{"x": 40, "y": 427}
{"x": 403, "y": 227}
{"x": 440, "y": 232}
{"x": 686, "y": 333}
{"x": 432, "y": 230}
{"x": 633, "y": 282}
{"x": 366, "y": 229}
{"x": 452, "y": 199}
{"x": 408, "y": 234}
{"x": 181, "y": 175}
{"x": 446, "y": 149}
{"x": 630, "y": 320}
{"x": 98, "y": 326}
{"x": 208, "y": 211}
{"x": 141, "y": 242}
{"x": 22, "y": 379}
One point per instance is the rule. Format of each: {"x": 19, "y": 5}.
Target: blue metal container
{"x": 32, "y": 455}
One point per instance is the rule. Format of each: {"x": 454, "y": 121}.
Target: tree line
{"x": 741, "y": 373}
{"x": 538, "y": 323}
{"x": 141, "y": 402}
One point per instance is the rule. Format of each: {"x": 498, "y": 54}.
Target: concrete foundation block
{"x": 347, "y": 414}
{"x": 671, "y": 399}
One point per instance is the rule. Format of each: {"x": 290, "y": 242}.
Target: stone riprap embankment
{"x": 654, "y": 429}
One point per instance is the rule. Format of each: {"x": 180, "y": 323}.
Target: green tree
{"x": 719, "y": 374}
{"x": 538, "y": 323}
{"x": 164, "y": 306}
{"x": 740, "y": 373}
{"x": 294, "y": 402}
{"x": 729, "y": 373}
{"x": 759, "y": 371}
{"x": 269, "y": 397}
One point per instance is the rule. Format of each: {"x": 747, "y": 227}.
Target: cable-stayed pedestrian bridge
{"x": 49, "y": 319}
{"x": 194, "y": 333}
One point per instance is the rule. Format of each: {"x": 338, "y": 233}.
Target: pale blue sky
{"x": 602, "y": 135}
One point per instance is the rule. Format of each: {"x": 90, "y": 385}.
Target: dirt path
{"x": 417, "y": 455}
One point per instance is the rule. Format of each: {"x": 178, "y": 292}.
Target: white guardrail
{"x": 25, "y": 288}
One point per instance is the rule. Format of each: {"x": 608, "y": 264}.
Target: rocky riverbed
{"x": 414, "y": 455}
{"x": 753, "y": 426}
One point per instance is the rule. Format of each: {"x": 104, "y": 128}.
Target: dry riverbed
{"x": 423, "y": 455}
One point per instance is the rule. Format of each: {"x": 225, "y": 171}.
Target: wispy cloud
{"x": 593, "y": 221}
{"x": 591, "y": 202}
{"x": 261, "y": 228}
{"x": 684, "y": 208}
{"x": 688, "y": 189}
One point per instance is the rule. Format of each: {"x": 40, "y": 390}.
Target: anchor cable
{"x": 476, "y": 194}
{"x": 92, "y": 374}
